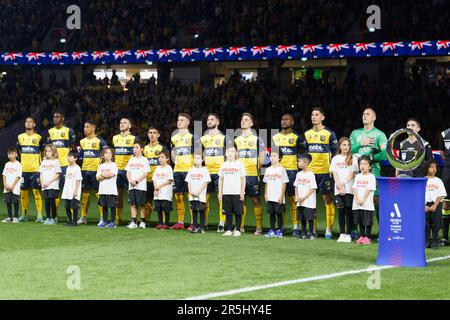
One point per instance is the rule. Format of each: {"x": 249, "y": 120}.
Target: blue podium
{"x": 402, "y": 222}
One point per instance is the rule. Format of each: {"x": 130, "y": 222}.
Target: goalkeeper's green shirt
{"x": 377, "y": 150}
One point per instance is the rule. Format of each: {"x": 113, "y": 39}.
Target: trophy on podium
{"x": 402, "y": 209}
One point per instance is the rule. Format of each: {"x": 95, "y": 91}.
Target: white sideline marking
{"x": 294, "y": 281}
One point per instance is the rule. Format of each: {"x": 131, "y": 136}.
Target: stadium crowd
{"x": 149, "y": 24}
{"x": 149, "y": 103}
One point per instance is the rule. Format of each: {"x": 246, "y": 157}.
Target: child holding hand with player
{"x": 276, "y": 180}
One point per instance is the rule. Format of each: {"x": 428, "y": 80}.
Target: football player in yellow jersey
{"x": 213, "y": 143}
{"x": 251, "y": 152}
{"x": 289, "y": 144}
{"x": 91, "y": 148}
{"x": 322, "y": 144}
{"x": 64, "y": 139}
{"x": 152, "y": 151}
{"x": 123, "y": 149}
{"x": 29, "y": 145}
{"x": 182, "y": 145}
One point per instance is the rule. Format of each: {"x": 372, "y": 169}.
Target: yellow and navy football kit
{"x": 90, "y": 154}
{"x": 289, "y": 146}
{"x": 29, "y": 147}
{"x": 183, "y": 148}
{"x": 322, "y": 145}
{"x": 249, "y": 148}
{"x": 123, "y": 151}
{"x": 152, "y": 154}
{"x": 62, "y": 139}
{"x": 214, "y": 151}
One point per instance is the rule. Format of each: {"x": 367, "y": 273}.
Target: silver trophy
{"x": 399, "y": 162}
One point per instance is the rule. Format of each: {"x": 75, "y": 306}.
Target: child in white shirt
{"x": 276, "y": 180}
{"x": 72, "y": 189}
{"x": 435, "y": 192}
{"x": 305, "y": 192}
{"x": 363, "y": 207}
{"x": 197, "y": 179}
{"x": 107, "y": 187}
{"x": 12, "y": 173}
{"x": 344, "y": 167}
{"x": 137, "y": 169}
{"x": 232, "y": 191}
{"x": 163, "y": 191}
{"x": 50, "y": 171}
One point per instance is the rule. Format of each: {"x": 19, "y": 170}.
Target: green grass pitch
{"x": 151, "y": 264}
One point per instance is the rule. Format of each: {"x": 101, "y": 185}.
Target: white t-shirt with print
{"x": 197, "y": 177}
{"x": 73, "y": 174}
{"x": 274, "y": 178}
{"x": 435, "y": 188}
{"x": 304, "y": 182}
{"x": 364, "y": 182}
{"x": 232, "y": 172}
{"x": 137, "y": 167}
{"x": 48, "y": 169}
{"x": 107, "y": 186}
{"x": 161, "y": 175}
{"x": 343, "y": 171}
{"x": 11, "y": 171}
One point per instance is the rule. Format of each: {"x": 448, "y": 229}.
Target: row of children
{"x": 354, "y": 190}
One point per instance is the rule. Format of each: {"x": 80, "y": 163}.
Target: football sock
{"x": 258, "y": 217}
{"x": 243, "y": 217}
{"x": 148, "y": 210}
{"x": 84, "y": 203}
{"x": 293, "y": 211}
{"x": 38, "y": 201}
{"x": 222, "y": 217}
{"x": 179, "y": 203}
{"x": 24, "y": 201}
{"x": 329, "y": 208}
